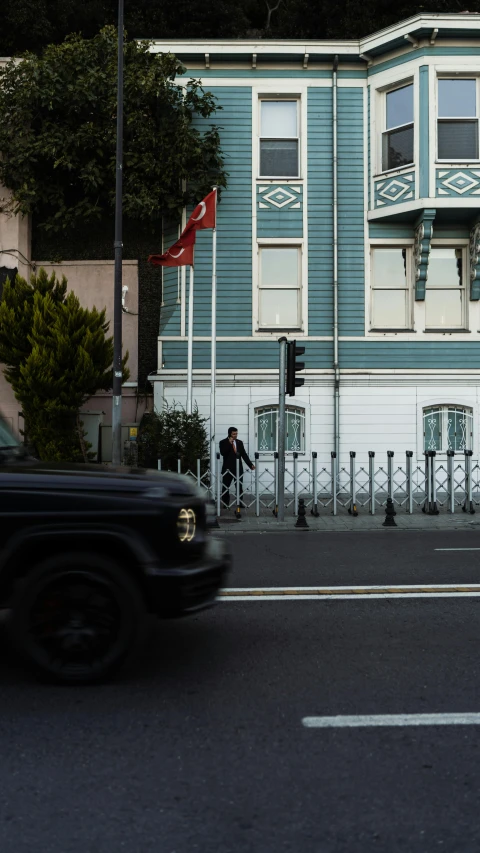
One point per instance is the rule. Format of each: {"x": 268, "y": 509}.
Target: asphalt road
{"x": 201, "y": 747}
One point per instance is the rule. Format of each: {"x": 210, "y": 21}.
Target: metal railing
{"x": 330, "y": 486}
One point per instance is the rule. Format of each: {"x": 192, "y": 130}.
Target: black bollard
{"x": 389, "y": 514}
{"x": 301, "y": 520}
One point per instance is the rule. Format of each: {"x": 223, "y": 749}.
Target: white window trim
{"x": 420, "y": 309}
{"x": 379, "y": 123}
{"x": 299, "y": 403}
{"x": 392, "y": 244}
{"x": 265, "y": 243}
{"x": 472, "y": 309}
{"x": 455, "y": 75}
{"x": 274, "y": 244}
{"x": 284, "y": 96}
{"x": 442, "y": 400}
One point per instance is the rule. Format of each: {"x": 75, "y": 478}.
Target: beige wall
{"x": 92, "y": 281}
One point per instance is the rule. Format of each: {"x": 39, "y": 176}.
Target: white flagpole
{"x": 190, "y": 344}
{"x": 214, "y": 352}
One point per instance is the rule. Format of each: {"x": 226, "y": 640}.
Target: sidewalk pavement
{"x": 249, "y": 523}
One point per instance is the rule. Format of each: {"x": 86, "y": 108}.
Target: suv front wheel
{"x": 76, "y": 617}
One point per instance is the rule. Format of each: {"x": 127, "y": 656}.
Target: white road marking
{"x": 340, "y": 722}
{"x": 344, "y": 593}
{"x": 457, "y": 549}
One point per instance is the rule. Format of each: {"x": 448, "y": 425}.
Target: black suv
{"x": 87, "y": 552}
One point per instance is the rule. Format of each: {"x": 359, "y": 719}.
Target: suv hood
{"x": 96, "y": 477}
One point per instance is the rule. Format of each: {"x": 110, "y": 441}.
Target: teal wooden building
{"x": 350, "y": 223}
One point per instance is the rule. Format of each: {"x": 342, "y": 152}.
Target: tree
{"x": 171, "y": 435}
{"x": 58, "y": 134}
{"x": 57, "y": 355}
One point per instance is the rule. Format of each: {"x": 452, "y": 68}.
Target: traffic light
{"x": 293, "y": 366}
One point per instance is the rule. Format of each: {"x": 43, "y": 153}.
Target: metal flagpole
{"x": 281, "y": 429}
{"x": 190, "y": 344}
{"x": 118, "y": 245}
{"x": 213, "y": 377}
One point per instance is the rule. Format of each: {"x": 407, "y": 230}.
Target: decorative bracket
{"x": 421, "y": 251}
{"x": 475, "y": 262}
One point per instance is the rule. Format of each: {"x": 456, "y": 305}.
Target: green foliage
{"x": 170, "y": 435}
{"x": 57, "y": 355}
{"x": 58, "y": 134}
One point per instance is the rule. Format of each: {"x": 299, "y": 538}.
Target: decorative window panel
{"x": 448, "y": 428}
{"x": 266, "y": 429}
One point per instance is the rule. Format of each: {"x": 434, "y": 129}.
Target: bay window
{"x": 457, "y": 119}
{"x": 397, "y": 139}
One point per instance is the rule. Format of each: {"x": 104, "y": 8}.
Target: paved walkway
{"x": 418, "y": 520}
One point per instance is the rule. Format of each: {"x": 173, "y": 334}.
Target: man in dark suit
{"x": 229, "y": 448}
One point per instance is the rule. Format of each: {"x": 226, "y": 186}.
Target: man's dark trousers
{"x": 229, "y": 467}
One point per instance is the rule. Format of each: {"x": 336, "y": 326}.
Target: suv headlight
{"x": 186, "y": 525}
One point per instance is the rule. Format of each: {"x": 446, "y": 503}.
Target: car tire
{"x": 77, "y": 617}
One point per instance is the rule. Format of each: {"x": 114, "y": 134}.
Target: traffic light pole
{"x": 118, "y": 245}
{"x": 281, "y": 429}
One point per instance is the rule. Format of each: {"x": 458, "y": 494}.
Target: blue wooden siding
{"x": 390, "y": 230}
{"x": 241, "y": 354}
{"x": 366, "y": 354}
{"x": 437, "y": 51}
{"x": 351, "y": 216}
{"x": 423, "y": 130}
{"x": 404, "y": 230}
{"x": 420, "y": 355}
{"x": 320, "y": 220}
{"x": 279, "y": 210}
{"x": 171, "y": 308}
{"x": 234, "y": 223}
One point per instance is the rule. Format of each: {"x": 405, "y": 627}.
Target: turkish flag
{"x": 178, "y": 255}
{"x": 205, "y": 214}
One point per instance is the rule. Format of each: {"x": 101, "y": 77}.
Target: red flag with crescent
{"x": 178, "y": 255}
{"x": 205, "y": 214}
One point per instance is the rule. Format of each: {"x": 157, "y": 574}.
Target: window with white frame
{"x": 391, "y": 286}
{"x": 279, "y": 144}
{"x": 445, "y": 297}
{"x": 457, "y": 119}
{"x": 448, "y": 428}
{"x": 397, "y": 138}
{"x": 266, "y": 429}
{"x": 279, "y": 287}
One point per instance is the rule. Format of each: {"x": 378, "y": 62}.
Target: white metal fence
{"x": 450, "y": 483}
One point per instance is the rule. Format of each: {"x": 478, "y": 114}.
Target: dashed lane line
{"x": 299, "y": 593}
{"x": 374, "y": 720}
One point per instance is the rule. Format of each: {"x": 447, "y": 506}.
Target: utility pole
{"x": 118, "y": 245}
{"x": 281, "y": 428}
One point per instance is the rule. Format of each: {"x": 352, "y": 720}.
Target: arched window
{"x": 448, "y": 428}
{"x": 266, "y": 429}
